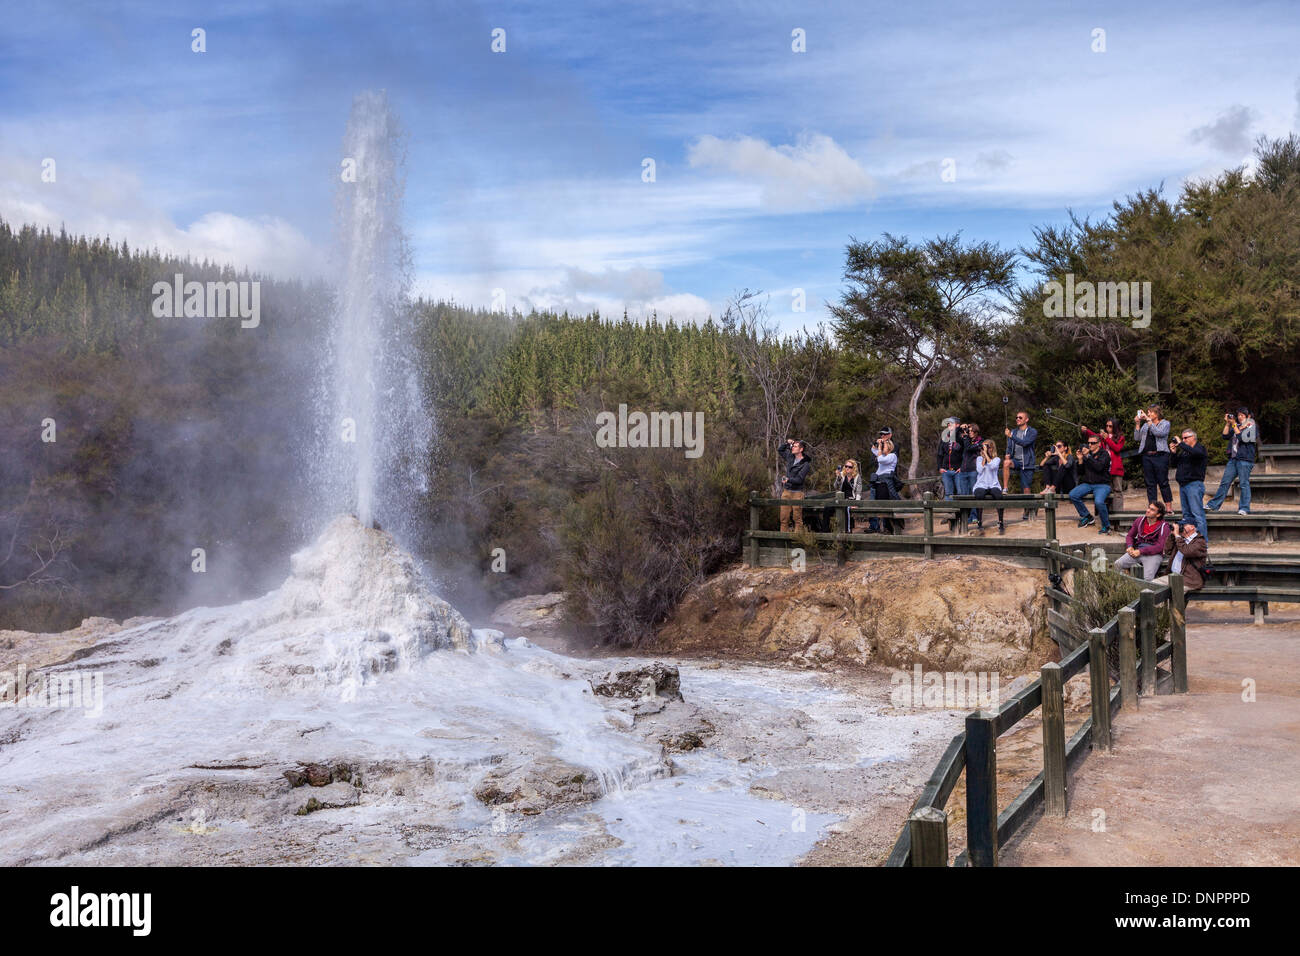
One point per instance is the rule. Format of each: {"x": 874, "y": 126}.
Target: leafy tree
{"x": 929, "y": 309}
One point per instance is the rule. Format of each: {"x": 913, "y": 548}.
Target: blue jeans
{"x": 966, "y": 486}
{"x": 949, "y": 479}
{"x": 1099, "y": 493}
{"x": 1026, "y": 477}
{"x": 1190, "y": 498}
{"x": 1241, "y": 471}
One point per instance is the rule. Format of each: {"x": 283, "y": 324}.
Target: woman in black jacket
{"x": 1059, "y": 469}
{"x": 848, "y": 481}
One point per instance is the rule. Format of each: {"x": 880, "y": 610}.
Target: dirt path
{"x": 1205, "y": 778}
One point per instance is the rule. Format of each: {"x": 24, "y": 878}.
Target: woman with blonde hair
{"x": 848, "y": 481}
{"x": 987, "y": 484}
{"x": 882, "y": 482}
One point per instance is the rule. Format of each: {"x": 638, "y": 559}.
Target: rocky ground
{"x": 300, "y": 728}
{"x": 953, "y": 614}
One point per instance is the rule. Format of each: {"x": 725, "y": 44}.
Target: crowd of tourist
{"x": 970, "y": 465}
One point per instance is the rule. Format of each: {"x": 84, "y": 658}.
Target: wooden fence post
{"x": 1054, "y": 566}
{"x": 1128, "y": 667}
{"x": 753, "y": 526}
{"x": 1100, "y": 683}
{"x": 927, "y": 502}
{"x": 1053, "y": 739}
{"x": 1178, "y": 632}
{"x": 1049, "y": 525}
{"x": 1146, "y": 622}
{"x": 981, "y": 789}
{"x": 929, "y": 831}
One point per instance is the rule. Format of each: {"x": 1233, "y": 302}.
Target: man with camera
{"x": 1190, "y": 457}
{"x": 1243, "y": 447}
{"x": 952, "y": 451}
{"x": 1094, "y": 480}
{"x": 1189, "y": 552}
{"x": 797, "y": 467}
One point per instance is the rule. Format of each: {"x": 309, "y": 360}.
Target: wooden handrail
{"x": 987, "y": 829}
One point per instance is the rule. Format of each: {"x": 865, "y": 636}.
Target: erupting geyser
{"x": 378, "y": 439}
{"x": 351, "y": 715}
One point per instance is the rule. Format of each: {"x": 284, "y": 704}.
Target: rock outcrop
{"x": 965, "y": 614}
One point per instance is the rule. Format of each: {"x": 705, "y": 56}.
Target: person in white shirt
{"x": 987, "y": 484}
{"x": 882, "y": 482}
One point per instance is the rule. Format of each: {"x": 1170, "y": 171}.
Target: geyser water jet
{"x": 378, "y": 441}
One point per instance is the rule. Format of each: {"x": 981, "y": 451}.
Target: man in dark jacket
{"x": 1188, "y": 454}
{"x": 969, "y": 458}
{"x": 1094, "y": 480}
{"x": 797, "y": 467}
{"x": 952, "y": 449}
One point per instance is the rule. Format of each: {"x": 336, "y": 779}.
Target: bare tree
{"x": 785, "y": 368}
{"x": 33, "y": 549}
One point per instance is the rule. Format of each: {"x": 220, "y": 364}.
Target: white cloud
{"x": 637, "y": 291}
{"x": 814, "y": 173}
{"x": 112, "y": 204}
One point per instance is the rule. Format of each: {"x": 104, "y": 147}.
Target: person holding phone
{"x": 987, "y": 484}
{"x": 1151, "y": 432}
{"x": 1059, "y": 469}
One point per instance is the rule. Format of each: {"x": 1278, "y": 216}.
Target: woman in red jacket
{"x": 1112, "y": 439}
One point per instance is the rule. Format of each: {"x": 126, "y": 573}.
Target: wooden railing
{"x": 924, "y": 840}
{"x": 927, "y": 507}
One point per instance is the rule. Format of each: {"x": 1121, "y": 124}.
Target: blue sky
{"x": 524, "y": 168}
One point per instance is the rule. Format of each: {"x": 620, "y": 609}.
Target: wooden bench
{"x": 1266, "y": 526}
{"x": 1271, "y": 489}
{"x": 1257, "y": 597}
{"x": 1279, "y": 459}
